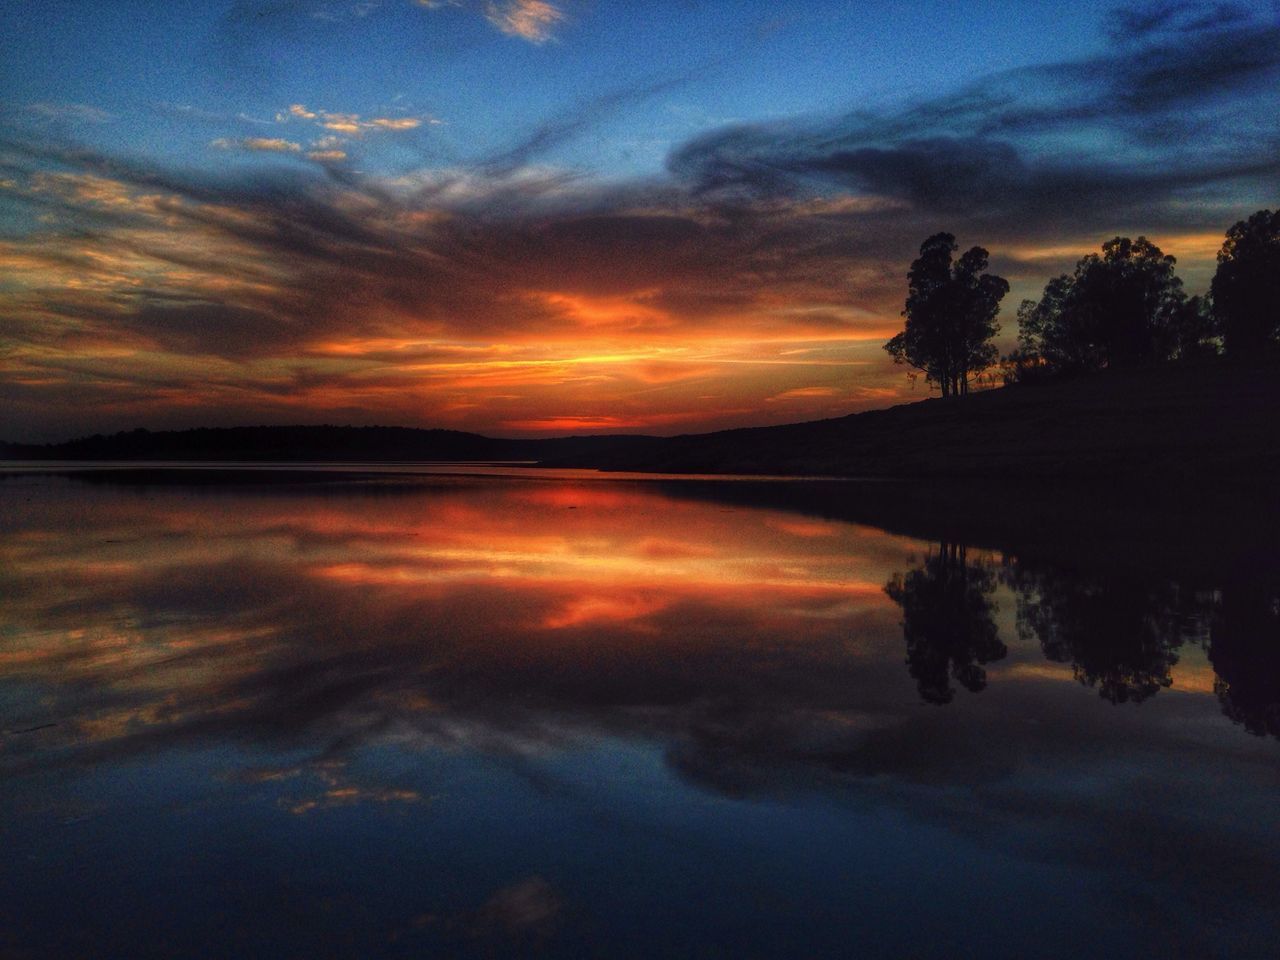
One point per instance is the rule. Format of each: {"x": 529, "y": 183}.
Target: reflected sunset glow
{"x": 397, "y": 658}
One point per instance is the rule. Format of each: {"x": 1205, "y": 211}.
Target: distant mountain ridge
{"x": 315, "y": 443}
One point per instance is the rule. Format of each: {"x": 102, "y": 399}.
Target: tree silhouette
{"x": 951, "y": 315}
{"x": 1193, "y": 332}
{"x": 1246, "y": 287}
{"x": 1115, "y": 310}
{"x": 947, "y": 622}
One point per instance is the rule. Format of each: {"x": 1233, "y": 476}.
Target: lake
{"x": 399, "y": 714}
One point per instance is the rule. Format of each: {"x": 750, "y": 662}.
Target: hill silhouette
{"x": 317, "y": 443}
{"x": 1217, "y": 418}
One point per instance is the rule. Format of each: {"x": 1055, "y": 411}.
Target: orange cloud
{"x": 596, "y": 608}
{"x": 397, "y": 303}
{"x": 573, "y": 424}
{"x": 805, "y": 528}
{"x": 394, "y": 123}
{"x": 806, "y": 393}
{"x": 351, "y": 123}
{"x": 531, "y": 20}
{"x": 266, "y": 144}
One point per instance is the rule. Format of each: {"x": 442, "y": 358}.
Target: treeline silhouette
{"x": 1186, "y": 423}
{"x": 1121, "y": 635}
{"x": 1123, "y": 307}
{"x": 317, "y": 443}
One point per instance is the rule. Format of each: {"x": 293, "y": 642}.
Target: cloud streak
{"x": 262, "y": 144}
{"x": 351, "y": 123}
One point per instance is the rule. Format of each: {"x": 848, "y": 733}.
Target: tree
{"x": 1193, "y": 333}
{"x": 1116, "y": 310}
{"x": 951, "y": 315}
{"x": 1246, "y": 288}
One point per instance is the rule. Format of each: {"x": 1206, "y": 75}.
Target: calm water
{"x": 487, "y": 716}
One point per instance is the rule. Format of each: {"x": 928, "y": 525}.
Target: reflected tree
{"x": 1119, "y": 637}
{"x": 947, "y": 622}
{"x": 1245, "y": 653}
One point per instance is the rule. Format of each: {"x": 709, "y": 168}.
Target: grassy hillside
{"x": 1169, "y": 421}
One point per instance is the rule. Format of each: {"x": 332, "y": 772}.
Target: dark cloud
{"x": 1025, "y": 150}
{"x": 579, "y": 118}
{"x": 221, "y": 329}
{"x": 947, "y": 175}
{"x": 1140, "y": 22}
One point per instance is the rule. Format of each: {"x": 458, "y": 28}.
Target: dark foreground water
{"x": 513, "y": 717}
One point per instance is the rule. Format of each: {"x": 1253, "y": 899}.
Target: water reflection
{"x": 948, "y": 622}
{"x": 522, "y": 611}
{"x": 1245, "y": 653}
{"x": 578, "y": 704}
{"x": 1120, "y": 637}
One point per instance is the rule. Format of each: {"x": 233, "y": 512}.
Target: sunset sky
{"x": 538, "y": 217}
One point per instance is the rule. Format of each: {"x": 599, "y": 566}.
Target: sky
{"x": 541, "y": 217}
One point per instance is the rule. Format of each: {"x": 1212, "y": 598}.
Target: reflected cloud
{"x": 612, "y": 609}
{"x": 530, "y": 906}
{"x": 336, "y": 791}
{"x": 448, "y": 610}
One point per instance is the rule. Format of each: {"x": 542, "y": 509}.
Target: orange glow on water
{"x": 530, "y": 570}
{"x": 421, "y": 603}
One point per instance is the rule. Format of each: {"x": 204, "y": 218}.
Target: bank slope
{"x": 1175, "y": 421}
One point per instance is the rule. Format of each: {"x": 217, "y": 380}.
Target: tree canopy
{"x": 950, "y": 315}
{"x": 1118, "y": 309}
{"x": 1193, "y": 332}
{"x": 1246, "y": 288}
